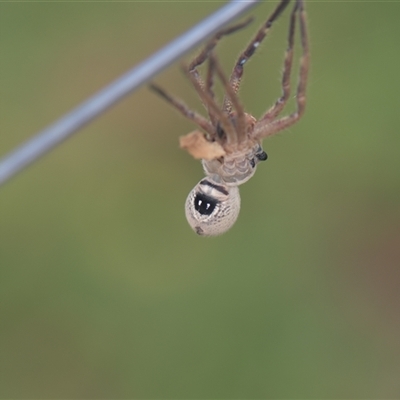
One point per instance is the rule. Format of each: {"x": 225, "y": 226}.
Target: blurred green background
{"x": 105, "y": 292}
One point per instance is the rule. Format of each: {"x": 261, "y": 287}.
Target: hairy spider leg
{"x": 237, "y": 72}
{"x": 192, "y": 70}
{"x": 267, "y": 128}
{"x": 183, "y": 109}
{"x": 240, "y": 115}
{"x": 203, "y": 56}
{"x": 275, "y": 110}
{"x": 222, "y": 118}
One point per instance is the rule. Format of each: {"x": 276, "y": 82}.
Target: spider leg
{"x": 237, "y": 72}
{"x": 274, "y": 111}
{"x": 209, "y": 85}
{"x": 209, "y": 101}
{"x": 204, "y": 54}
{"x": 202, "y": 57}
{"x": 240, "y": 115}
{"x": 214, "y": 41}
{"x": 187, "y": 112}
{"x": 266, "y": 128}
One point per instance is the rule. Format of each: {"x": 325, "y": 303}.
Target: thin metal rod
{"x": 56, "y": 133}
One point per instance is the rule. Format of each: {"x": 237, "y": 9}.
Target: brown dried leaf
{"x": 199, "y": 147}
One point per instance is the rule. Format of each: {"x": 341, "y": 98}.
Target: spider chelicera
{"x": 230, "y": 148}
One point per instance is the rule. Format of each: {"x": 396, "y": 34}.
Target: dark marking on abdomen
{"x": 214, "y": 186}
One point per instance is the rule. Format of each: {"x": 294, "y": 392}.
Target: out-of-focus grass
{"x": 105, "y": 291}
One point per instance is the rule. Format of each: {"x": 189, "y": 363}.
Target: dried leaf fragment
{"x": 199, "y": 147}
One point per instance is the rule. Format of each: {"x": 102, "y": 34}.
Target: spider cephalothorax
{"x": 230, "y": 148}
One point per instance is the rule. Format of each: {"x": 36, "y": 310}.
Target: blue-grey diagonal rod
{"x": 45, "y": 140}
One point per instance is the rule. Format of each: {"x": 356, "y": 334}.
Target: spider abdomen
{"x": 211, "y": 209}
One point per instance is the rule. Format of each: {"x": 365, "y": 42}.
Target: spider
{"x": 231, "y": 147}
